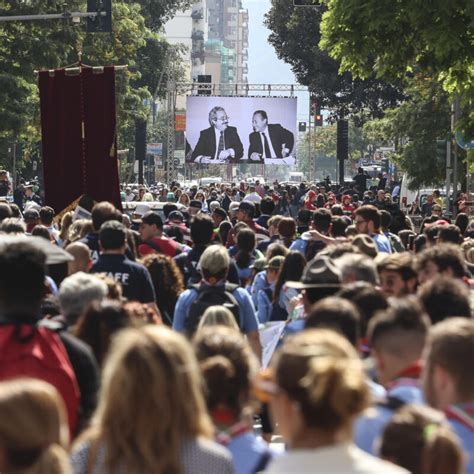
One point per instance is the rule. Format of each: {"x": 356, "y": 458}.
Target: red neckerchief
{"x": 463, "y": 412}
{"x": 408, "y": 376}
{"x": 364, "y": 346}
{"x": 226, "y": 430}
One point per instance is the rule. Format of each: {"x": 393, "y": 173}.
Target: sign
{"x": 155, "y": 149}
{"x": 176, "y": 162}
{"x": 269, "y": 336}
{"x": 179, "y": 155}
{"x": 462, "y": 142}
{"x": 255, "y": 130}
{"x": 180, "y": 122}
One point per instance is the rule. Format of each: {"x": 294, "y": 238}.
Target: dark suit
{"x": 279, "y": 136}
{"x": 207, "y": 146}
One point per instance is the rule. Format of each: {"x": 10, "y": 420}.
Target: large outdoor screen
{"x": 221, "y": 130}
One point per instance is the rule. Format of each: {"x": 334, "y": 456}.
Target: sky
{"x": 263, "y": 58}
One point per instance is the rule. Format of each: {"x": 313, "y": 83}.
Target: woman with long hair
{"x": 151, "y": 417}
{"x": 97, "y": 325}
{"x": 228, "y": 367}
{"x": 184, "y": 199}
{"x": 316, "y": 388}
{"x": 167, "y": 281}
{"x": 420, "y": 439}
{"x": 246, "y": 254}
{"x": 33, "y": 429}
{"x": 291, "y": 270}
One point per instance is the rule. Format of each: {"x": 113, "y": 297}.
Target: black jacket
{"x": 207, "y": 146}
{"x": 279, "y": 136}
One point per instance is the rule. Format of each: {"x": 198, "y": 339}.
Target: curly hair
{"x": 167, "y": 281}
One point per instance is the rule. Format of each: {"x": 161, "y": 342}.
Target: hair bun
{"x": 217, "y": 367}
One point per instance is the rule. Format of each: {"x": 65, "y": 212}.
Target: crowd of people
{"x": 133, "y": 342}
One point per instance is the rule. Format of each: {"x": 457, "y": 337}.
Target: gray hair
{"x": 213, "y": 114}
{"x": 356, "y": 267}
{"x": 77, "y": 292}
{"x": 214, "y": 259}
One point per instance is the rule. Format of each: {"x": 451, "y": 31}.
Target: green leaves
{"x": 295, "y": 35}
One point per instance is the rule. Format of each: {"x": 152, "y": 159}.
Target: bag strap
{"x": 153, "y": 245}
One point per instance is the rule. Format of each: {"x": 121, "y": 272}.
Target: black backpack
{"x": 211, "y": 296}
{"x": 278, "y": 313}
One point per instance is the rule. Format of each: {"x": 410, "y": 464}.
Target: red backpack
{"x": 32, "y": 350}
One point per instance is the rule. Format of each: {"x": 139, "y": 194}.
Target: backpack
{"x": 30, "y": 349}
{"x": 278, "y": 313}
{"x": 211, "y": 296}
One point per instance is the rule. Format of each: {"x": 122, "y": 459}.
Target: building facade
{"x": 215, "y": 33}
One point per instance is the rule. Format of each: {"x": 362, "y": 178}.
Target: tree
{"x": 295, "y": 37}
{"x": 414, "y": 128}
{"x": 396, "y": 39}
{"x": 323, "y": 149}
{"x": 49, "y": 44}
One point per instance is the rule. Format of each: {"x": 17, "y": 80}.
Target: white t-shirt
{"x": 337, "y": 459}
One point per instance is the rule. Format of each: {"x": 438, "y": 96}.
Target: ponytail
{"x": 441, "y": 452}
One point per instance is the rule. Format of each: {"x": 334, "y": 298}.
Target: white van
{"x": 210, "y": 180}
{"x": 408, "y": 197}
{"x": 296, "y": 177}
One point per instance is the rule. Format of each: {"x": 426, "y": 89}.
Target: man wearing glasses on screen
{"x": 219, "y": 143}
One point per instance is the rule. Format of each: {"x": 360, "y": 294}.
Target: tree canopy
{"x": 47, "y": 44}
{"x": 399, "y": 39}
{"x": 295, "y": 35}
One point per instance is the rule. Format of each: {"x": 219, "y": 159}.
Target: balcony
{"x": 197, "y": 15}
{"x": 199, "y": 54}
{"x": 197, "y": 35}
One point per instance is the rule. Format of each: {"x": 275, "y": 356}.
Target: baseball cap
{"x": 152, "y": 218}
{"x": 276, "y": 262}
{"x": 176, "y": 216}
{"x": 321, "y": 272}
{"x": 220, "y": 212}
{"x": 195, "y": 203}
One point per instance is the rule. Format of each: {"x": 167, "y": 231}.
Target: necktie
{"x": 267, "y": 147}
{"x": 221, "y": 146}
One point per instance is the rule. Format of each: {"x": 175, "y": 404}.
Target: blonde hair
{"x": 321, "y": 371}
{"x": 419, "y": 439}
{"x": 33, "y": 428}
{"x": 151, "y": 401}
{"x": 79, "y": 228}
{"x": 218, "y": 316}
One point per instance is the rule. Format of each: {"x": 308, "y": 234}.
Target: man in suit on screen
{"x": 268, "y": 140}
{"x": 218, "y": 143}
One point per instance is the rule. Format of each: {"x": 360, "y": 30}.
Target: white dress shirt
{"x": 272, "y": 151}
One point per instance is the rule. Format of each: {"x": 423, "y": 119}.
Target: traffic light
{"x": 204, "y": 79}
{"x": 318, "y": 118}
{"x": 301, "y": 126}
{"x": 384, "y": 165}
{"x": 100, "y": 23}
{"x": 441, "y": 151}
{"x": 316, "y": 111}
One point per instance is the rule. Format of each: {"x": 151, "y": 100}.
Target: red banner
{"x": 78, "y": 136}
